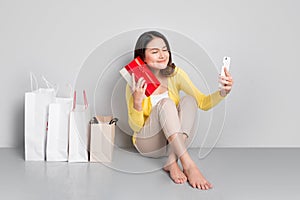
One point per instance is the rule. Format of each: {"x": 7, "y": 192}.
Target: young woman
{"x": 163, "y": 122}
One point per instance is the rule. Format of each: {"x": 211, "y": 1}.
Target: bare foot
{"x": 196, "y": 179}
{"x": 175, "y": 173}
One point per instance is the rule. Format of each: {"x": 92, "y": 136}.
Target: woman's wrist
{"x": 223, "y": 93}
{"x": 138, "y": 105}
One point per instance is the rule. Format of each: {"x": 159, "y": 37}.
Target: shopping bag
{"x": 79, "y": 131}
{"x": 139, "y": 68}
{"x": 58, "y": 129}
{"x": 102, "y": 138}
{"x": 35, "y": 123}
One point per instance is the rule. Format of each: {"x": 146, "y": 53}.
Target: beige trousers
{"x": 166, "y": 119}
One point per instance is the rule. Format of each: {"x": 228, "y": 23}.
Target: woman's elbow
{"x": 205, "y": 107}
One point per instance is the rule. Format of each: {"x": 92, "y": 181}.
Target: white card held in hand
{"x": 226, "y": 64}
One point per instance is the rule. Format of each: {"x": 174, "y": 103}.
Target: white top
{"x": 156, "y": 98}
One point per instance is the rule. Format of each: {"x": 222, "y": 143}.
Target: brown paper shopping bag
{"x": 102, "y": 138}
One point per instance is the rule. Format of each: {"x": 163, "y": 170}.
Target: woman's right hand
{"x": 138, "y": 90}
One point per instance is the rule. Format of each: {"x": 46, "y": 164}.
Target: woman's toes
{"x": 183, "y": 179}
{"x": 196, "y": 179}
{"x": 176, "y": 180}
{"x": 202, "y": 186}
{"x": 175, "y": 173}
{"x": 180, "y": 180}
{"x": 206, "y": 187}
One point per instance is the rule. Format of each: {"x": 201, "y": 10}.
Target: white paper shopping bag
{"x": 79, "y": 131}
{"x": 102, "y": 138}
{"x": 36, "y": 117}
{"x": 58, "y": 129}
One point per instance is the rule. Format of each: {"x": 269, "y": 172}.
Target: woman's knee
{"x": 189, "y": 99}
{"x": 166, "y": 101}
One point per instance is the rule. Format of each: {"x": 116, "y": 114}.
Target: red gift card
{"x": 139, "y": 68}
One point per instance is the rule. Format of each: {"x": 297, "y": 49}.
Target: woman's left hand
{"x": 226, "y": 82}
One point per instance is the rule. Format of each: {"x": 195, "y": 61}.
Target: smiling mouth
{"x": 161, "y": 61}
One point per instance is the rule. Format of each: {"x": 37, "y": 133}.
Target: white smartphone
{"x": 226, "y": 64}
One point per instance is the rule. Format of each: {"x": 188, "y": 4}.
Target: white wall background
{"x": 53, "y": 38}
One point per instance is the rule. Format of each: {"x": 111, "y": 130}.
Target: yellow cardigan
{"x": 179, "y": 81}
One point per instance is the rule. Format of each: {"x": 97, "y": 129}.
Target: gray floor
{"x": 236, "y": 174}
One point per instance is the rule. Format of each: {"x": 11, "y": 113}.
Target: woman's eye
{"x": 165, "y": 49}
{"x": 154, "y": 52}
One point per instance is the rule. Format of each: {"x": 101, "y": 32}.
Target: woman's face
{"x": 156, "y": 54}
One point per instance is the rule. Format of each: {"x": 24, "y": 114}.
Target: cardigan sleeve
{"x": 135, "y": 117}
{"x": 205, "y": 102}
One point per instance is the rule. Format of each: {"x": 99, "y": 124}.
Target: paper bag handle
{"x": 50, "y": 85}
{"x": 86, "y": 105}
{"x": 74, "y": 101}
{"x": 113, "y": 121}
{"x": 85, "y": 99}
{"x": 33, "y": 78}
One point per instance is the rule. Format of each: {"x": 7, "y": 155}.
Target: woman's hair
{"x": 140, "y": 48}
